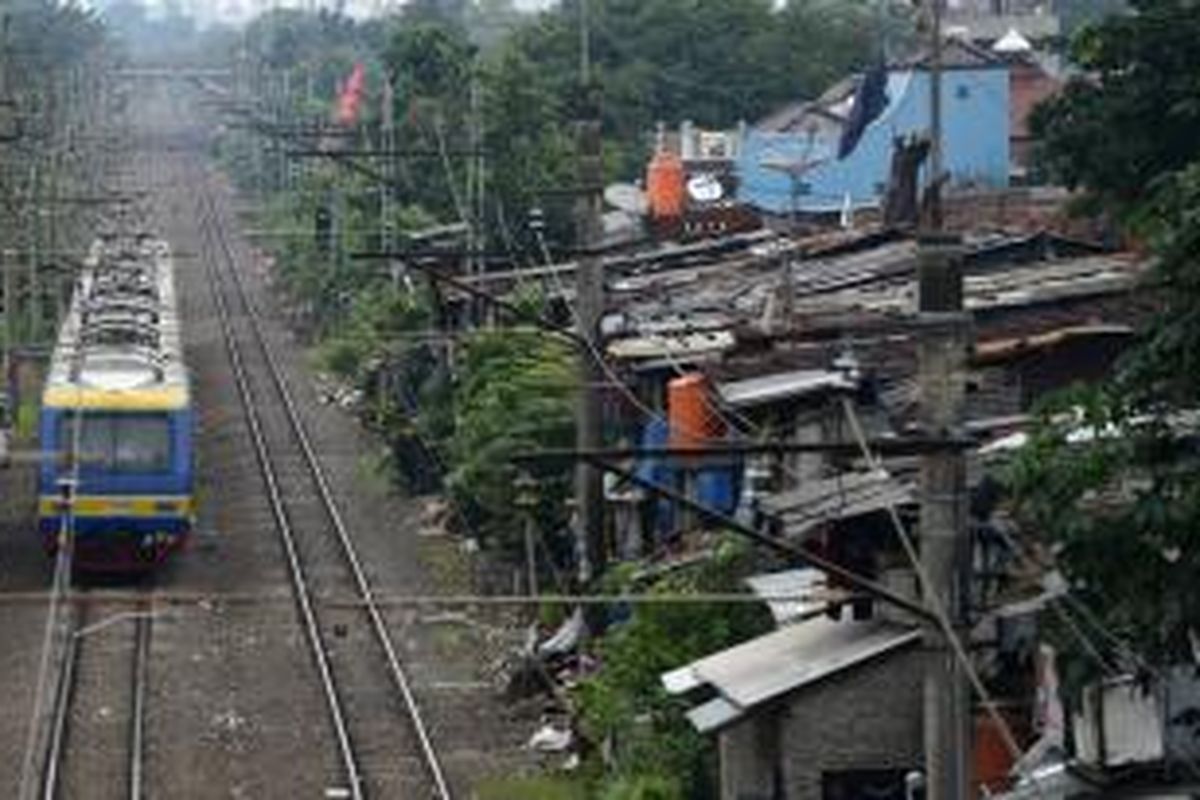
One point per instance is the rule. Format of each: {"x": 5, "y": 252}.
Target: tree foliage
{"x": 651, "y": 743}
{"x": 1111, "y": 479}
{"x": 56, "y": 57}
{"x": 431, "y": 61}
{"x": 715, "y": 62}
{"x": 514, "y": 392}
{"x": 1130, "y": 117}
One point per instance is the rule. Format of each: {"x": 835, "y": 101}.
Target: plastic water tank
{"x": 689, "y": 412}
{"x": 665, "y": 186}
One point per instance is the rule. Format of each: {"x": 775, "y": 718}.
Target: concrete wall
{"x": 868, "y": 718}
{"x": 976, "y": 114}
{"x": 750, "y": 759}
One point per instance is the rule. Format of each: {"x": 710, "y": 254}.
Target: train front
{"x": 118, "y": 479}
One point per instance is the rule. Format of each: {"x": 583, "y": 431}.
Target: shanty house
{"x": 817, "y": 710}
{"x": 796, "y": 161}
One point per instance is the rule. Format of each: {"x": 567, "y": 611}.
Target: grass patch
{"x": 540, "y": 788}
{"x": 25, "y": 428}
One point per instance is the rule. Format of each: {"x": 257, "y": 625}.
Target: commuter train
{"x": 116, "y": 417}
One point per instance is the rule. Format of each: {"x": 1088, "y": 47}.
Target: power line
{"x": 938, "y": 608}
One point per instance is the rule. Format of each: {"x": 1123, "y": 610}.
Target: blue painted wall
{"x": 976, "y": 121}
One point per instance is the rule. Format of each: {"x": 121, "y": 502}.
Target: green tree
{"x": 715, "y": 62}
{"x": 1131, "y": 116}
{"x": 530, "y": 144}
{"x": 654, "y": 751}
{"x": 431, "y": 64}
{"x": 1110, "y": 479}
{"x": 431, "y": 61}
{"x": 514, "y": 392}
{"x": 57, "y": 58}
{"x": 1077, "y": 13}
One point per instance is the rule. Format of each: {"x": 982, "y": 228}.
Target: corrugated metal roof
{"x": 793, "y": 594}
{"x": 781, "y": 662}
{"x": 847, "y": 495}
{"x": 782, "y": 386}
{"x": 997, "y": 351}
{"x": 682, "y": 346}
{"x": 1040, "y": 282}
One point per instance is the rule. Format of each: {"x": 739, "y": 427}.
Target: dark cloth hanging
{"x": 870, "y": 99}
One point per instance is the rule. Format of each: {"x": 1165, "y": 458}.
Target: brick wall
{"x": 866, "y": 718}
{"x": 750, "y": 758}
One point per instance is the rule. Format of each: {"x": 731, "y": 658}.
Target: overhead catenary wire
{"x": 588, "y": 341}
{"x": 809, "y": 556}
{"x": 939, "y": 612}
{"x": 442, "y": 154}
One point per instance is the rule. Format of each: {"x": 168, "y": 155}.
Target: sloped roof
{"x": 793, "y": 595}
{"x": 771, "y": 666}
{"x": 766, "y": 389}
{"x": 957, "y": 53}
{"x": 850, "y": 494}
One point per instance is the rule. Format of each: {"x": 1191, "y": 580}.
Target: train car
{"x": 116, "y": 418}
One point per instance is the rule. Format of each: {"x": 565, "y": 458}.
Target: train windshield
{"x": 118, "y": 442}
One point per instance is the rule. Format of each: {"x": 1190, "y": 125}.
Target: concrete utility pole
{"x": 945, "y": 543}
{"x": 474, "y": 203}
{"x": 6, "y": 277}
{"x": 589, "y": 307}
{"x": 7, "y": 268}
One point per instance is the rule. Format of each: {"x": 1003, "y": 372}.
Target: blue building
{"x": 789, "y": 162}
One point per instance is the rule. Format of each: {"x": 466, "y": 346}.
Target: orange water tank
{"x": 690, "y": 413}
{"x": 993, "y": 761}
{"x": 665, "y": 186}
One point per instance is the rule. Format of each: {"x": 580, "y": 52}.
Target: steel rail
{"x": 63, "y": 698}
{"x": 52, "y": 776}
{"x": 371, "y": 605}
{"x": 283, "y": 525}
{"x": 137, "y": 734}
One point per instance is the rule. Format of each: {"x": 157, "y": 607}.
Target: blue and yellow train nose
{"x": 117, "y": 533}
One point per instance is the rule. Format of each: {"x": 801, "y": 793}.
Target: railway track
{"x": 383, "y": 745}
{"x": 96, "y": 742}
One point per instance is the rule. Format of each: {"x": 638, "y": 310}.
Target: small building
{"x": 1030, "y": 83}
{"x": 818, "y": 710}
{"x": 790, "y": 162}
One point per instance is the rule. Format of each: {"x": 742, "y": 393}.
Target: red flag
{"x": 350, "y": 97}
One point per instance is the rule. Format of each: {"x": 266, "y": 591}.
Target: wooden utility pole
{"x": 589, "y": 307}
{"x": 944, "y": 536}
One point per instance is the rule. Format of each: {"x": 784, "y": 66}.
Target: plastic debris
{"x": 566, "y": 638}
{"x": 549, "y": 739}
